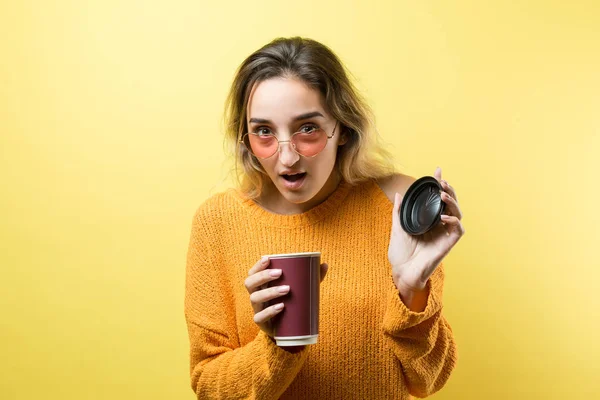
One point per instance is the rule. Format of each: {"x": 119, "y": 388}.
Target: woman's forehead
{"x": 281, "y": 100}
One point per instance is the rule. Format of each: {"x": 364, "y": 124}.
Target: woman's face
{"x": 283, "y": 106}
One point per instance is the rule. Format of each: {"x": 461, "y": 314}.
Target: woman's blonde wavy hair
{"x": 361, "y": 158}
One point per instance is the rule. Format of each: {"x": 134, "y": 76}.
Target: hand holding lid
{"x": 426, "y": 224}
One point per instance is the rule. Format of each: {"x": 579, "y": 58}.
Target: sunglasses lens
{"x": 262, "y": 146}
{"x": 311, "y": 143}
{"x": 308, "y": 144}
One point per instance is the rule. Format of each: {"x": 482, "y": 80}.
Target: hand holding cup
{"x": 257, "y": 285}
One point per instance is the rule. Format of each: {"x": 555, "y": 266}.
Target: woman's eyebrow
{"x": 297, "y": 118}
{"x": 308, "y": 115}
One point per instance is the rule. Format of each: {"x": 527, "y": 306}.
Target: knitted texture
{"x": 370, "y": 345}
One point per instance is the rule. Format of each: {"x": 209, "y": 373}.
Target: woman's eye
{"x": 308, "y": 128}
{"x": 262, "y": 131}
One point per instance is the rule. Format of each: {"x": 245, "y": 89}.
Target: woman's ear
{"x": 345, "y": 135}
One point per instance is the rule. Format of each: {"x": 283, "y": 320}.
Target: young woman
{"x": 314, "y": 178}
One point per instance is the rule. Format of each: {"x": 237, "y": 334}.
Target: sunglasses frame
{"x": 284, "y": 141}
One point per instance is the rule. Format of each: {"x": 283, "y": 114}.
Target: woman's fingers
{"x": 324, "y": 269}
{"x": 438, "y": 174}
{"x": 263, "y": 316}
{"x": 254, "y": 282}
{"x": 257, "y": 278}
{"x": 259, "y": 266}
{"x": 260, "y": 277}
{"x": 454, "y": 224}
{"x": 452, "y": 205}
{"x": 449, "y": 189}
{"x": 262, "y": 296}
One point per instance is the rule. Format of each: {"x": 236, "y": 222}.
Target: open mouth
{"x": 294, "y": 178}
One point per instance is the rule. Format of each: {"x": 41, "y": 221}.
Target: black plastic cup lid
{"x": 422, "y": 206}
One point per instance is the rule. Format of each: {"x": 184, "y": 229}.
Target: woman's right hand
{"x": 256, "y": 284}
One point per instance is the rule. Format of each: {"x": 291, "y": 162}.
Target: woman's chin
{"x": 298, "y": 197}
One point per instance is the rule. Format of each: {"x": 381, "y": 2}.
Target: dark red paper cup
{"x": 298, "y": 323}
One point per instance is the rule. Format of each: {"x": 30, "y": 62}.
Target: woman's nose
{"x": 287, "y": 155}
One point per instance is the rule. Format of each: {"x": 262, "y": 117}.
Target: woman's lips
{"x": 293, "y": 185}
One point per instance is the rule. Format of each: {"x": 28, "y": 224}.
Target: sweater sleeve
{"x": 423, "y": 341}
{"x": 219, "y": 367}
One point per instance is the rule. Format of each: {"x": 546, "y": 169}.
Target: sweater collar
{"x": 321, "y": 211}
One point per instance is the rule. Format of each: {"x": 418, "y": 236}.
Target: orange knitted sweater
{"x": 370, "y": 345}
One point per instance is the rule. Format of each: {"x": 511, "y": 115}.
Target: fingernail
{"x": 275, "y": 273}
{"x": 283, "y": 289}
{"x": 264, "y": 260}
{"x": 278, "y": 307}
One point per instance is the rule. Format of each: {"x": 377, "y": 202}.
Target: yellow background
{"x": 111, "y": 137}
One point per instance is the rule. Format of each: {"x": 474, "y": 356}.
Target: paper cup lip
{"x": 294, "y": 255}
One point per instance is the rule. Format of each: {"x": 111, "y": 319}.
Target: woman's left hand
{"x": 415, "y": 258}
